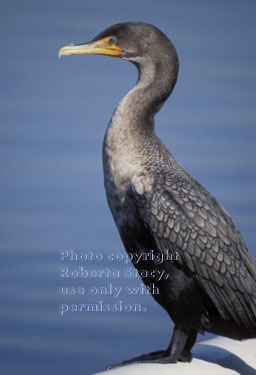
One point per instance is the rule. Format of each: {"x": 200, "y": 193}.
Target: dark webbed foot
{"x": 160, "y": 356}
{"x": 178, "y": 350}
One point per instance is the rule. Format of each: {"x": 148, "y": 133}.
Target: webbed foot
{"x": 178, "y": 350}
{"x": 160, "y": 356}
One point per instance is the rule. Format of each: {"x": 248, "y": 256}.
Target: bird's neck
{"x": 133, "y": 119}
{"x": 130, "y": 141}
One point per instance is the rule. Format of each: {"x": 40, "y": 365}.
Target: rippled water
{"x": 35, "y": 337}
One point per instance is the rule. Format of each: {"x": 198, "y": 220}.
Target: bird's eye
{"x": 112, "y": 40}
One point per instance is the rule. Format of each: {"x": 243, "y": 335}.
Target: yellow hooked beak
{"x": 100, "y": 47}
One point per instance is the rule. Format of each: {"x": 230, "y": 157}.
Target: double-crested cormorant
{"x": 157, "y": 205}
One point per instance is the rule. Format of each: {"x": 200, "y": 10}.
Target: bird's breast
{"x": 124, "y": 173}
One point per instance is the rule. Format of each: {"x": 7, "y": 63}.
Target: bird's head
{"x": 134, "y": 41}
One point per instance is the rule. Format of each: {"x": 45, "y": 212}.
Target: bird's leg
{"x": 178, "y": 350}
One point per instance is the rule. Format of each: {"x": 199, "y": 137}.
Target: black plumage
{"x": 157, "y": 205}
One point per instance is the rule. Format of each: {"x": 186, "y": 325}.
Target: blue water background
{"x": 52, "y": 121}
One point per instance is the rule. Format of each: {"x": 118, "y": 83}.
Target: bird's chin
{"x": 128, "y": 55}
